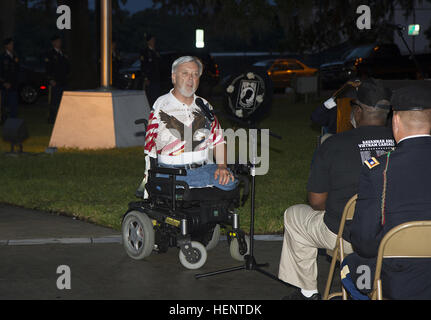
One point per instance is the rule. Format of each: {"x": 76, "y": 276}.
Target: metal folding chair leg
{"x": 331, "y": 273}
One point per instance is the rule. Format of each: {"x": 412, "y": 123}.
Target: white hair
{"x": 186, "y": 59}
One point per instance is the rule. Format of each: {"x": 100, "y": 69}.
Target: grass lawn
{"x": 97, "y": 185}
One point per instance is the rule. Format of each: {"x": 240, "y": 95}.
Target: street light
{"x": 200, "y": 43}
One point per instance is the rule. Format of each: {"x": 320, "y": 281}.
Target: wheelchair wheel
{"x": 234, "y": 249}
{"x": 138, "y": 235}
{"x": 214, "y": 239}
{"x": 195, "y": 257}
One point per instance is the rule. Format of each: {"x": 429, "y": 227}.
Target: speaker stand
{"x": 250, "y": 261}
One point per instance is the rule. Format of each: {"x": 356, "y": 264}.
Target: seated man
{"x": 332, "y": 182}
{"x": 180, "y": 135}
{"x": 395, "y": 190}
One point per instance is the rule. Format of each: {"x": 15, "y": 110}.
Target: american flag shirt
{"x": 178, "y": 134}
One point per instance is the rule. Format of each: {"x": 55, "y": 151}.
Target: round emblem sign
{"x": 249, "y": 95}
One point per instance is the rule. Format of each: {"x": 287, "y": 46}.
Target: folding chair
{"x": 338, "y": 252}
{"x": 403, "y": 241}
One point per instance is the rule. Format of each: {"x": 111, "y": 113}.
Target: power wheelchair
{"x": 177, "y": 216}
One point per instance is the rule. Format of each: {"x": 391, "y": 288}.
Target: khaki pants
{"x": 304, "y": 233}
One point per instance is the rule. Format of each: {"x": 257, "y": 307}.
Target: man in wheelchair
{"x": 187, "y": 197}
{"x": 181, "y": 133}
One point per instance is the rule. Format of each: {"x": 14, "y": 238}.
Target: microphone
{"x": 399, "y": 27}
{"x": 206, "y": 110}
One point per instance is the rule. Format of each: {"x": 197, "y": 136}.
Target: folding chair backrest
{"x": 409, "y": 240}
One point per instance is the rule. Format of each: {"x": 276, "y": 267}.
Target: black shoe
{"x": 297, "y": 295}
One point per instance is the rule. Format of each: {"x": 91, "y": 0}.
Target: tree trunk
{"x": 7, "y": 19}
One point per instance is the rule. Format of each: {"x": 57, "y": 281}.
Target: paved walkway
{"x": 34, "y": 244}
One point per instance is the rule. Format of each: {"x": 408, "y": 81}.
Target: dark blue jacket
{"x": 408, "y": 198}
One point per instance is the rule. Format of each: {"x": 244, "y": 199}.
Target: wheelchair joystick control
{"x": 184, "y": 227}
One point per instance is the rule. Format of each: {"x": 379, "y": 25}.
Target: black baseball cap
{"x": 371, "y": 91}
{"x": 415, "y": 97}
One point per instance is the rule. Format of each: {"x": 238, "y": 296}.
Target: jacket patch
{"x": 372, "y": 163}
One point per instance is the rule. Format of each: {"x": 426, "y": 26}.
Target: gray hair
{"x": 186, "y": 59}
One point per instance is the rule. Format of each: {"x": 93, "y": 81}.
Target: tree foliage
{"x": 306, "y": 25}
{"x": 233, "y": 25}
{"x": 248, "y": 20}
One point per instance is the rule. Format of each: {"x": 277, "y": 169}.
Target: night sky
{"x": 138, "y": 5}
{"x": 132, "y": 5}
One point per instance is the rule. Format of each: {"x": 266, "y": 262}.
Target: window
{"x": 295, "y": 66}
{"x": 280, "y": 67}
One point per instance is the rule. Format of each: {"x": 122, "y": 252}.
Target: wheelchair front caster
{"x": 138, "y": 235}
{"x": 194, "y": 255}
{"x": 237, "y": 251}
{"x": 214, "y": 239}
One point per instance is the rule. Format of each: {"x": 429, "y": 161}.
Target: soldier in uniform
{"x": 395, "y": 189}
{"x": 57, "y": 70}
{"x": 9, "y": 68}
{"x": 150, "y": 70}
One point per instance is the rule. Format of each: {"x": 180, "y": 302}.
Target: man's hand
{"x": 52, "y": 83}
{"x": 224, "y": 175}
{"x": 7, "y": 85}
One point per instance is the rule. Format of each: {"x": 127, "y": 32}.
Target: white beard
{"x": 186, "y": 93}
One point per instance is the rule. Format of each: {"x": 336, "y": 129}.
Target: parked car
{"x": 282, "y": 71}
{"x": 131, "y": 78}
{"x": 32, "y": 80}
{"x": 381, "y": 61}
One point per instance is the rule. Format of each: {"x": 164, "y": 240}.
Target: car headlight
{"x": 131, "y": 76}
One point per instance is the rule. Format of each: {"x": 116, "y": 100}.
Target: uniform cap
{"x": 411, "y": 98}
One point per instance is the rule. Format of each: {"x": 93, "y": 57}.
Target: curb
{"x": 102, "y": 240}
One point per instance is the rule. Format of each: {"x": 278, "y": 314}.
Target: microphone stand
{"x": 400, "y": 30}
{"x": 250, "y": 260}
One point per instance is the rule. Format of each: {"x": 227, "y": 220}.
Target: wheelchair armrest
{"x": 169, "y": 171}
